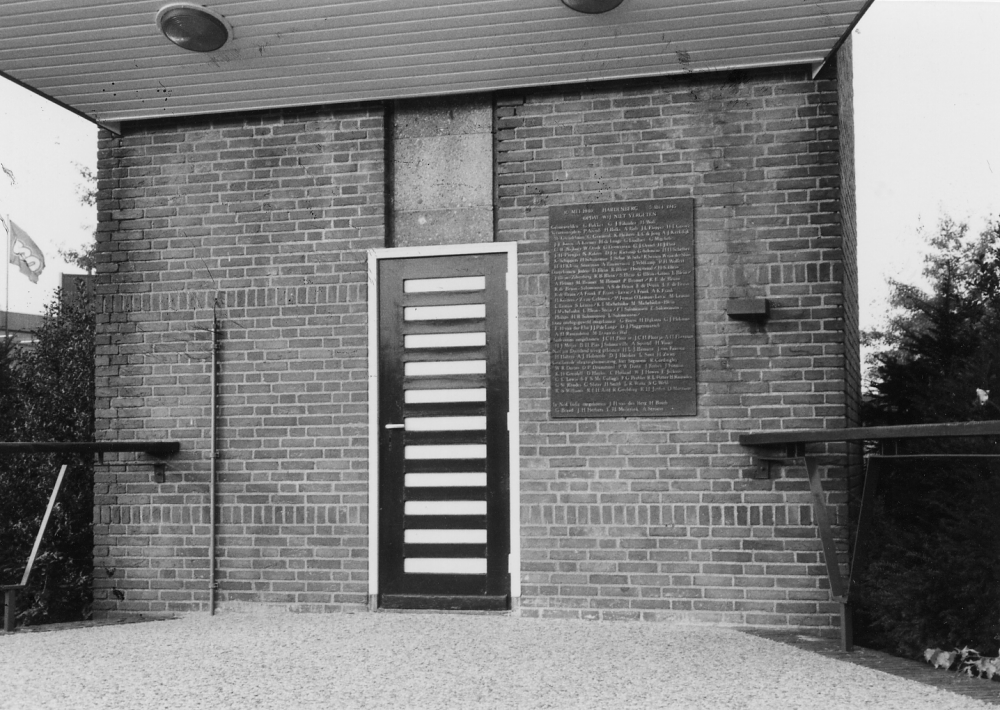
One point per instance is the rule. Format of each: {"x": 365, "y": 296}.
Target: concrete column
{"x": 443, "y": 171}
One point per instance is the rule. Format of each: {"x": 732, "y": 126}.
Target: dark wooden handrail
{"x": 156, "y": 448}
{"x": 907, "y": 431}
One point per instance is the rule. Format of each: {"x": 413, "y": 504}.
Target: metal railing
{"x": 795, "y": 442}
{"x": 10, "y": 590}
{"x": 156, "y": 448}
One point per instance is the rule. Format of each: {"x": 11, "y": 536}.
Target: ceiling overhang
{"x": 106, "y": 59}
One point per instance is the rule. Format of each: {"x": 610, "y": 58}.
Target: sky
{"x": 43, "y": 145}
{"x": 927, "y": 119}
{"x": 927, "y": 145}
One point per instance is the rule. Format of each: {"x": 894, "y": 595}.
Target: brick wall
{"x": 272, "y": 212}
{"x": 660, "y": 518}
{"x": 845, "y": 71}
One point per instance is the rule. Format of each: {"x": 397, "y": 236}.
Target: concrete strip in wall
{"x": 453, "y": 115}
{"x": 453, "y": 171}
{"x": 443, "y": 171}
{"x": 457, "y": 226}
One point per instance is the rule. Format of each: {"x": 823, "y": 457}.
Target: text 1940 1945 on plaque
{"x": 622, "y": 318}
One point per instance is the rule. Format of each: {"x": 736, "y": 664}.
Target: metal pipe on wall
{"x": 212, "y": 585}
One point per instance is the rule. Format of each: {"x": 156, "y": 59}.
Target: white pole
{"x": 45, "y": 524}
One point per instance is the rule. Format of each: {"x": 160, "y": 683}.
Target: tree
{"x": 47, "y": 394}
{"x": 86, "y": 192}
{"x": 85, "y": 257}
{"x": 943, "y": 344}
{"x": 935, "y": 581}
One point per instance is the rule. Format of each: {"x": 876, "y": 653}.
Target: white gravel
{"x": 341, "y": 661}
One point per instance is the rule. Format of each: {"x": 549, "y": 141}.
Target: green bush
{"x": 934, "y": 577}
{"x": 935, "y": 580}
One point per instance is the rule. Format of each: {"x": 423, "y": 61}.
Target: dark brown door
{"x": 444, "y": 492}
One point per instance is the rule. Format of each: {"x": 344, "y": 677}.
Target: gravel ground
{"x": 341, "y": 661}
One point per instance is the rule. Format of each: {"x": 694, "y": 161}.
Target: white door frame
{"x": 513, "y": 416}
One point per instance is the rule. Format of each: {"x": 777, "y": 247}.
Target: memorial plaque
{"x": 622, "y": 309}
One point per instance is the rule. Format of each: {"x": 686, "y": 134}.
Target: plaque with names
{"x": 622, "y": 309}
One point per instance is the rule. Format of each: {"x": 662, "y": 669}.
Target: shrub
{"x": 935, "y": 580}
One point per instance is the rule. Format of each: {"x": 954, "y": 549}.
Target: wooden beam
{"x": 45, "y": 524}
{"x": 10, "y": 607}
{"x": 156, "y": 448}
{"x": 909, "y": 431}
{"x": 822, "y": 519}
{"x": 846, "y": 627}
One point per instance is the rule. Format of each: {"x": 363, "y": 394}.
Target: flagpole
{"x": 6, "y": 284}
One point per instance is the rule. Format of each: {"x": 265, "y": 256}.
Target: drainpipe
{"x": 212, "y": 584}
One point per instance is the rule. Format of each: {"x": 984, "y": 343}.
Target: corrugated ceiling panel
{"x": 108, "y": 60}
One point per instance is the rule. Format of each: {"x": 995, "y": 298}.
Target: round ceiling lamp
{"x": 592, "y": 7}
{"x": 193, "y": 27}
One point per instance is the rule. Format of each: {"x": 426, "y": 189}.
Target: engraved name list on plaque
{"x": 622, "y": 309}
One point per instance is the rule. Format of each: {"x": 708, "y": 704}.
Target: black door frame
{"x": 374, "y": 256}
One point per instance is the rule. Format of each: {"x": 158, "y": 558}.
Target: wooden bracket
{"x": 822, "y": 517}
{"x": 748, "y": 309}
{"x": 839, "y": 588}
{"x": 764, "y": 462}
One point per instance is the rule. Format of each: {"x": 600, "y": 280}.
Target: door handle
{"x": 394, "y": 426}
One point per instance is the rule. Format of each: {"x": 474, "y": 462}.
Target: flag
{"x": 24, "y": 253}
